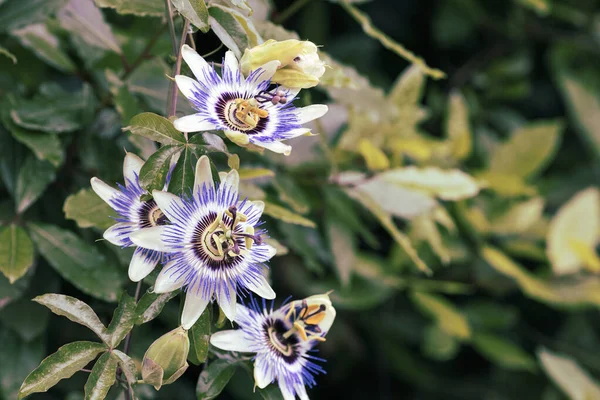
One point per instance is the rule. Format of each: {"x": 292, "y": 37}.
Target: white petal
{"x": 140, "y": 265}
{"x": 168, "y": 280}
{"x": 286, "y": 392}
{"x": 131, "y": 168}
{"x": 294, "y": 133}
{"x": 267, "y": 71}
{"x": 301, "y": 392}
{"x": 276, "y": 147}
{"x": 262, "y": 288}
{"x": 264, "y": 373}
{"x": 290, "y": 93}
{"x": 306, "y": 114}
{"x": 104, "y": 191}
{"x": 151, "y": 238}
{"x": 232, "y": 179}
{"x": 168, "y": 204}
{"x": 242, "y": 313}
{"x": 231, "y": 340}
{"x": 195, "y": 62}
{"x": 226, "y": 297}
{"x": 323, "y": 299}
{"x": 114, "y": 234}
{"x": 263, "y": 253}
{"x": 193, "y": 123}
{"x": 231, "y": 63}
{"x": 203, "y": 175}
{"x": 259, "y": 205}
{"x": 194, "y": 306}
{"x": 187, "y": 86}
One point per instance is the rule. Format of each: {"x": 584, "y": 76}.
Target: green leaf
{"x": 88, "y": 210}
{"x": 503, "y": 352}
{"x": 143, "y": 8}
{"x": 291, "y": 194}
{"x": 199, "y": 338}
{"x": 83, "y": 19}
{"x": 75, "y": 310}
{"x": 16, "y": 252}
{"x": 285, "y": 215}
{"x": 457, "y": 128}
{"x": 34, "y": 177}
{"x": 195, "y": 11}
{"x": 154, "y": 172}
{"x": 26, "y": 318}
{"x": 8, "y": 54}
{"x": 182, "y": 178}
{"x": 77, "y": 261}
{"x": 127, "y": 365}
{"x": 577, "y": 223}
{"x": 151, "y": 305}
{"x": 573, "y": 380}
{"x": 19, "y": 358}
{"x": 214, "y": 378}
{"x": 53, "y": 110}
{"x": 155, "y": 127}
{"x": 528, "y": 150}
{"x": 69, "y": 359}
{"x": 122, "y": 321}
{"x": 228, "y": 29}
{"x": 343, "y": 247}
{"x": 15, "y": 14}
{"x": 271, "y": 392}
{"x": 439, "y": 345}
{"x": 102, "y": 377}
{"x": 44, "y": 45}
{"x": 449, "y": 319}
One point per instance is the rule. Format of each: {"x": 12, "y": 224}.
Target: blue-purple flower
{"x": 282, "y": 340}
{"x": 214, "y": 242}
{"x": 248, "y": 110}
{"x": 133, "y": 215}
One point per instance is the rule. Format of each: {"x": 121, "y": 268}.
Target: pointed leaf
{"x": 458, "y": 130}
{"x": 374, "y": 158}
{"x": 182, "y": 178}
{"x": 155, "y": 170}
{"x": 343, "y": 247}
{"x": 122, "y": 321}
{"x": 574, "y": 381}
{"x": 87, "y": 209}
{"x": 69, "y": 359}
{"x": 34, "y": 177}
{"x": 214, "y": 378}
{"x": 151, "y": 305}
{"x": 102, "y": 377}
{"x": 15, "y": 14}
{"x": 143, "y": 8}
{"x": 127, "y": 365}
{"x": 503, "y": 352}
{"x": 448, "y": 318}
{"x": 75, "y": 310}
{"x": 155, "y": 127}
{"x": 285, "y": 215}
{"x": 228, "y": 29}
{"x": 199, "y": 338}
{"x": 45, "y": 45}
{"x": 195, "y": 11}
{"x": 16, "y": 252}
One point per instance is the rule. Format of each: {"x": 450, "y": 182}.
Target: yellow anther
{"x": 249, "y": 112}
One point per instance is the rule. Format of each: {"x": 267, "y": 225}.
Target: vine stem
{"x": 173, "y": 92}
{"x": 126, "y": 348}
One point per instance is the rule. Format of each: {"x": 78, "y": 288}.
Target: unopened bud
{"x": 300, "y": 67}
{"x": 166, "y": 359}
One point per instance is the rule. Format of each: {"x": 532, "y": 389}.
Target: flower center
{"x": 280, "y": 342}
{"x": 150, "y": 215}
{"x": 284, "y": 346}
{"x": 244, "y": 114}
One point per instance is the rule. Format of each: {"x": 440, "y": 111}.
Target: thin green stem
{"x": 169, "y": 13}
{"x": 291, "y": 10}
{"x": 173, "y": 92}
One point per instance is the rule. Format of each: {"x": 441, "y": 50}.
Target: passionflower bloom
{"x": 133, "y": 215}
{"x": 282, "y": 340}
{"x": 246, "y": 109}
{"x": 300, "y": 65}
{"x": 215, "y": 246}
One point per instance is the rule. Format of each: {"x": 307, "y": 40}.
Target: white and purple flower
{"x": 247, "y": 109}
{"x": 133, "y": 215}
{"x": 214, "y": 242}
{"x": 282, "y": 340}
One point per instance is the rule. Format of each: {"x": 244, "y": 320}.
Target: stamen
{"x": 249, "y": 112}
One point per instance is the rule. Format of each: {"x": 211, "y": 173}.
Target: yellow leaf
{"x": 587, "y": 255}
{"x": 578, "y": 220}
{"x": 458, "y": 130}
{"x": 506, "y": 185}
{"x": 408, "y": 88}
{"x": 285, "y": 215}
{"x": 573, "y": 380}
{"x": 449, "y": 319}
{"x": 253, "y": 173}
{"x": 520, "y": 217}
{"x": 416, "y": 148}
{"x": 374, "y": 157}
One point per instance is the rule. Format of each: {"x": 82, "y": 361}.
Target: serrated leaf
{"x": 576, "y": 221}
{"x": 448, "y": 318}
{"x": 15, "y": 14}
{"x": 102, "y": 377}
{"x": 88, "y": 210}
{"x": 77, "y": 261}
{"x": 44, "y": 45}
{"x": 573, "y": 380}
{"x": 155, "y": 127}
{"x": 122, "y": 321}
{"x": 155, "y": 170}
{"x": 75, "y": 310}
{"x": 151, "y": 305}
{"x": 199, "y": 338}
{"x": 83, "y": 19}
{"x": 503, "y": 352}
{"x": 228, "y": 29}
{"x": 182, "y": 177}
{"x": 214, "y": 378}
{"x": 127, "y": 366}
{"x": 285, "y": 215}
{"x": 528, "y": 150}
{"x": 34, "y": 177}
{"x": 194, "y": 10}
{"x": 67, "y": 360}
{"x": 16, "y": 252}
{"x": 458, "y": 130}
{"x": 8, "y": 54}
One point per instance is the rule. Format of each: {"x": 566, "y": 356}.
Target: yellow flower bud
{"x": 166, "y": 359}
{"x": 300, "y": 67}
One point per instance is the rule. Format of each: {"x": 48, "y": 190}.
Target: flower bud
{"x": 166, "y": 359}
{"x": 300, "y": 67}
